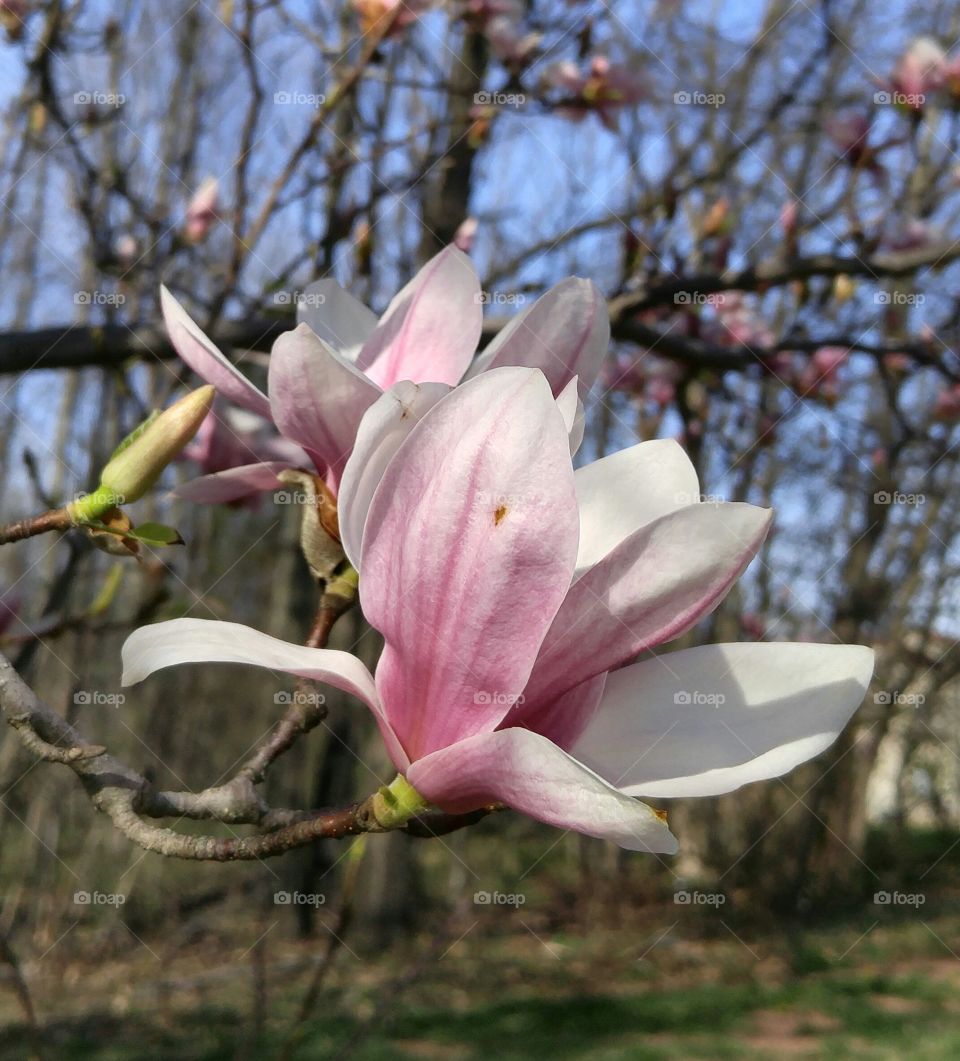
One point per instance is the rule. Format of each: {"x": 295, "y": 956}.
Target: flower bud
{"x": 140, "y": 458}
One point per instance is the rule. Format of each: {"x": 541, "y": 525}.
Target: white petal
{"x": 571, "y": 409}
{"x": 708, "y": 720}
{"x": 160, "y": 645}
{"x": 629, "y": 489}
{"x": 341, "y": 320}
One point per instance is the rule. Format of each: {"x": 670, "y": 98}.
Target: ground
{"x": 672, "y": 983}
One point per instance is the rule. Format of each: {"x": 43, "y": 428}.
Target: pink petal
{"x": 151, "y": 648}
{"x": 232, "y": 484}
{"x": 467, "y": 552}
{"x": 383, "y": 429}
{"x": 431, "y": 328}
{"x": 196, "y": 350}
{"x": 565, "y": 333}
{"x": 654, "y": 586}
{"x": 532, "y": 775}
{"x": 708, "y": 720}
{"x": 562, "y": 719}
{"x": 318, "y": 398}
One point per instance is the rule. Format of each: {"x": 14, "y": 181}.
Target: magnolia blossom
{"x": 737, "y": 321}
{"x": 604, "y": 88}
{"x": 327, "y": 372}
{"x": 515, "y": 597}
{"x": 372, "y": 12}
{"x": 510, "y": 43}
{"x": 819, "y": 376}
{"x": 850, "y": 134}
{"x": 465, "y": 235}
{"x": 919, "y": 72}
{"x": 202, "y": 210}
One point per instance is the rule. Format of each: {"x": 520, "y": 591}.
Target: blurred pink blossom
{"x": 850, "y": 134}
{"x": 202, "y": 210}
{"x": 509, "y": 42}
{"x": 919, "y": 72}
{"x": 947, "y": 405}
{"x": 603, "y": 89}
{"x": 371, "y": 12}
{"x": 466, "y": 233}
{"x": 789, "y": 215}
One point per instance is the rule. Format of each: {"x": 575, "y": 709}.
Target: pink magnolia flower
{"x": 509, "y": 43}
{"x": 202, "y": 210}
{"x": 850, "y": 133}
{"x": 604, "y": 88}
{"x": 789, "y": 217}
{"x": 465, "y": 235}
{"x": 127, "y": 250}
{"x": 514, "y": 597}
{"x": 819, "y": 376}
{"x": 372, "y": 12}
{"x": 737, "y": 321}
{"x": 326, "y": 372}
{"x": 920, "y": 71}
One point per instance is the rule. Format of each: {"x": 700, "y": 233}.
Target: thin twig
{"x": 56, "y": 519}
